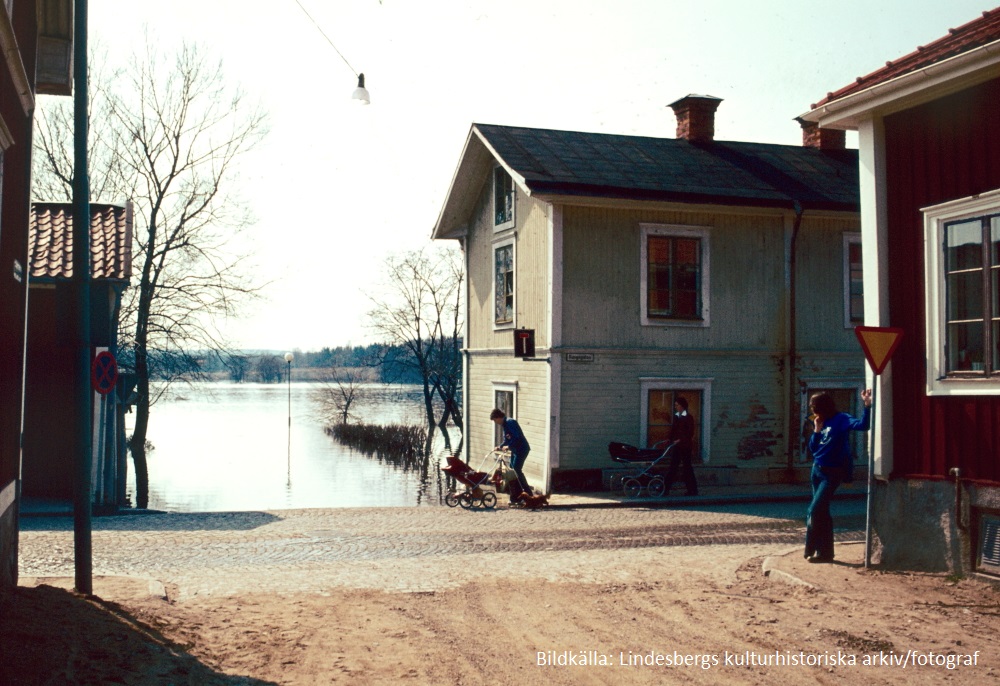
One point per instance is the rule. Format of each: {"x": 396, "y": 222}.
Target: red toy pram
{"x": 476, "y": 485}
{"x": 645, "y": 467}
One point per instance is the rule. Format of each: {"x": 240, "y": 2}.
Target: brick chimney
{"x": 696, "y": 117}
{"x": 822, "y": 139}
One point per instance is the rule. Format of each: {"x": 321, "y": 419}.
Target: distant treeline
{"x": 386, "y": 362}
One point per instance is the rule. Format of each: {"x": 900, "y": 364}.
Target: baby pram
{"x": 477, "y": 485}
{"x": 645, "y": 468}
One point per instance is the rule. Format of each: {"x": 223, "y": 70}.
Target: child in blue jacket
{"x": 513, "y": 438}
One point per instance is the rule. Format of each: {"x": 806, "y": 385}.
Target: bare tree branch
{"x": 165, "y": 134}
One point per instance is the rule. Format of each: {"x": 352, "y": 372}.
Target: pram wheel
{"x": 632, "y": 488}
{"x": 489, "y": 500}
{"x": 465, "y": 500}
{"x": 656, "y": 487}
{"x": 451, "y": 500}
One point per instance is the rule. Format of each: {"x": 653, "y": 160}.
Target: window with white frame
{"x": 503, "y": 400}
{"x": 854, "y": 284}
{"x": 675, "y": 275}
{"x": 962, "y": 254}
{"x": 503, "y": 284}
{"x": 657, "y": 407}
{"x": 503, "y": 199}
{"x": 846, "y": 397}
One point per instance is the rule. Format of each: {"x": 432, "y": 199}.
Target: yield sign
{"x": 879, "y": 343}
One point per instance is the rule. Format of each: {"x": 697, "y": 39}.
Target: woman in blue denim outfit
{"x": 831, "y": 466}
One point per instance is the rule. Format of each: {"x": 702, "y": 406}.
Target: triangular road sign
{"x": 878, "y": 343}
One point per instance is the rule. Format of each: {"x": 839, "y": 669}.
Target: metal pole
{"x": 81, "y": 279}
{"x": 871, "y": 477}
{"x": 289, "y": 421}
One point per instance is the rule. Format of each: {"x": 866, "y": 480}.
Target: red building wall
{"x": 14, "y": 209}
{"x": 940, "y": 151}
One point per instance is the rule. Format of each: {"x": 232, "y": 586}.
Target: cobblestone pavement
{"x": 414, "y": 549}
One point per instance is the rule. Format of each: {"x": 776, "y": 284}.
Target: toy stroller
{"x": 646, "y": 464}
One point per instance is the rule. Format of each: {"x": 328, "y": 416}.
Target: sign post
{"x": 878, "y": 344}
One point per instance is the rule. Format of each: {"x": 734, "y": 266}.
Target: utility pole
{"x": 83, "y": 491}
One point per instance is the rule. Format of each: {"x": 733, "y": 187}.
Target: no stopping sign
{"x": 104, "y": 372}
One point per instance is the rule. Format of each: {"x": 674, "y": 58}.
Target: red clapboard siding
{"x": 941, "y": 151}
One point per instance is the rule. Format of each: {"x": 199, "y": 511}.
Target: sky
{"x": 337, "y": 187}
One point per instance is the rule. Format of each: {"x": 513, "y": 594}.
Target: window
{"x": 503, "y": 400}
{"x": 503, "y": 199}
{"x": 962, "y": 253}
{"x": 503, "y": 284}
{"x": 674, "y": 275}
{"x": 658, "y": 397}
{"x": 854, "y": 285}
{"x": 847, "y": 398}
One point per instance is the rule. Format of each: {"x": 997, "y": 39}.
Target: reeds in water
{"x": 398, "y": 444}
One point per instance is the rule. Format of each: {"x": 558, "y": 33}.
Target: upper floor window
{"x": 503, "y": 283}
{"x": 503, "y": 199}
{"x": 962, "y": 252}
{"x": 674, "y": 275}
{"x": 854, "y": 283}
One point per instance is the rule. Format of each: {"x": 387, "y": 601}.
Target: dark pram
{"x": 478, "y": 486}
{"x": 646, "y": 467}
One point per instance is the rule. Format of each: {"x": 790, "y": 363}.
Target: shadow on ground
{"x": 135, "y": 521}
{"x": 52, "y": 636}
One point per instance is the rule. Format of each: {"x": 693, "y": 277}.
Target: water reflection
{"x": 224, "y": 446}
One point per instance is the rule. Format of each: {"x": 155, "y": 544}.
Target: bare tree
{"x": 420, "y": 313}
{"x": 171, "y": 132}
{"x": 341, "y": 390}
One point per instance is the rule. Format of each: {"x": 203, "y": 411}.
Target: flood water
{"x": 227, "y": 447}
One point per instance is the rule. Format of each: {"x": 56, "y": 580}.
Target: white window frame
{"x": 503, "y": 326}
{"x": 704, "y": 385}
{"x": 510, "y": 223}
{"x": 851, "y": 238}
{"x": 810, "y": 385}
{"x": 935, "y": 218}
{"x": 674, "y": 231}
{"x": 507, "y": 387}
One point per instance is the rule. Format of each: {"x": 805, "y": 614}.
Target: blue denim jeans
{"x": 819, "y": 521}
{"x": 517, "y": 463}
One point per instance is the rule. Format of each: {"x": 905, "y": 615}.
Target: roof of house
{"x": 670, "y": 169}
{"x": 977, "y": 33}
{"x": 50, "y": 241}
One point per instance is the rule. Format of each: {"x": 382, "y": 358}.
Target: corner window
{"x": 675, "y": 275}
{"x": 503, "y": 199}
{"x": 962, "y": 253}
{"x": 503, "y": 284}
{"x": 854, "y": 284}
{"x": 658, "y": 398}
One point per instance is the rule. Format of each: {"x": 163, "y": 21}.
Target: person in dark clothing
{"x": 514, "y": 440}
{"x": 681, "y": 437}
{"x": 832, "y": 463}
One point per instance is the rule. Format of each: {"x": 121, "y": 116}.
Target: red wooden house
{"x": 35, "y": 50}
{"x": 50, "y": 408}
{"x": 929, "y": 138}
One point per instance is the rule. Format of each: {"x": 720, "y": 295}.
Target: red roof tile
{"x": 979, "y": 32}
{"x": 50, "y": 241}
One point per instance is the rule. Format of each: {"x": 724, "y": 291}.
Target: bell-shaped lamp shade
{"x": 361, "y": 93}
